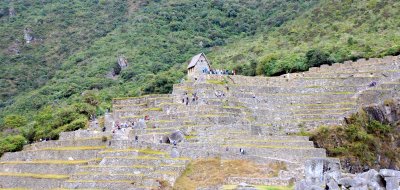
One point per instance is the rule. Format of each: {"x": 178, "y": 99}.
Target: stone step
{"x": 115, "y": 169}
{"x": 305, "y": 144}
{"x": 119, "y": 152}
{"x": 140, "y": 160}
{"x": 241, "y": 137}
{"x": 274, "y": 181}
{"x": 31, "y": 181}
{"x": 107, "y": 184}
{"x": 82, "y": 134}
{"x": 98, "y": 141}
{"x": 107, "y": 176}
{"x": 287, "y": 153}
{"x": 42, "y": 166}
{"x": 56, "y": 153}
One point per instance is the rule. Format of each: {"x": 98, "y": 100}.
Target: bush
{"x": 315, "y": 58}
{"x": 12, "y": 144}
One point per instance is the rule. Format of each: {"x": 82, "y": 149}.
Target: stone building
{"x": 198, "y": 65}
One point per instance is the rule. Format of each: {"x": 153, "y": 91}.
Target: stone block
{"x": 392, "y": 183}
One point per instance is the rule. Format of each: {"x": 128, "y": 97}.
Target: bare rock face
{"x": 122, "y": 62}
{"x": 12, "y": 12}
{"x": 323, "y": 172}
{"x": 320, "y": 170}
{"x": 387, "y": 113}
{"x": 176, "y": 136}
{"x": 28, "y": 36}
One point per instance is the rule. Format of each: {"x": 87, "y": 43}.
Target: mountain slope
{"x": 59, "y": 90}
{"x": 56, "y": 30}
{"x": 343, "y": 30}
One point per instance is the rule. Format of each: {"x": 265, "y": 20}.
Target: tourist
{"x": 241, "y": 151}
{"x": 104, "y": 128}
{"x": 372, "y": 84}
{"x": 187, "y": 100}
{"x": 136, "y": 138}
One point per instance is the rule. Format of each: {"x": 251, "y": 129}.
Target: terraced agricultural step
{"x": 115, "y": 169}
{"x": 287, "y": 153}
{"x": 107, "y": 176}
{"x": 108, "y": 184}
{"x": 97, "y": 141}
{"x": 140, "y": 160}
{"x": 56, "y": 153}
{"x": 64, "y": 167}
{"x": 274, "y": 181}
{"x": 31, "y": 180}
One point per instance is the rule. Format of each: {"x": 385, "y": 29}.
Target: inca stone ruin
{"x": 259, "y": 115}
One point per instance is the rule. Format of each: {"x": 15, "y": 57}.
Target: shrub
{"x": 315, "y": 58}
{"x": 12, "y": 144}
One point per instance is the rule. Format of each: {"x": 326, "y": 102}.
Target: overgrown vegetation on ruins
{"x": 56, "y": 82}
{"x": 362, "y": 143}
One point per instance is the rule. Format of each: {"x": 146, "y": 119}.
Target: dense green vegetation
{"x": 362, "y": 142}
{"x": 55, "y": 83}
{"x": 332, "y": 31}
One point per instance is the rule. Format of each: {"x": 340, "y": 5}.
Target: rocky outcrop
{"x": 325, "y": 174}
{"x": 28, "y": 36}
{"x": 121, "y": 64}
{"x": 12, "y": 12}
{"x": 387, "y": 113}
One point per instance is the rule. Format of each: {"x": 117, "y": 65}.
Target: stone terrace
{"x": 259, "y": 114}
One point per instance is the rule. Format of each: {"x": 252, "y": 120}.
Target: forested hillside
{"x": 69, "y": 71}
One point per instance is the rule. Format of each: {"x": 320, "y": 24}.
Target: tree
{"x": 315, "y": 58}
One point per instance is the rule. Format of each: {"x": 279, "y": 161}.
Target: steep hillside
{"x": 333, "y": 31}
{"x": 70, "y": 70}
{"x": 37, "y": 36}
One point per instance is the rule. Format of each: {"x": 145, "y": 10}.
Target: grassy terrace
{"x": 149, "y": 96}
{"x": 269, "y": 147}
{"x": 304, "y": 94}
{"x": 128, "y": 105}
{"x": 330, "y": 104}
{"x": 335, "y": 78}
{"x": 143, "y": 151}
{"x": 75, "y": 148}
{"x": 143, "y": 110}
{"x": 61, "y": 162}
{"x": 323, "y": 109}
{"x": 37, "y": 176}
{"x": 316, "y": 119}
{"x": 319, "y": 114}
{"x": 147, "y": 158}
{"x": 100, "y": 181}
{"x": 104, "y": 174}
{"x": 132, "y": 166}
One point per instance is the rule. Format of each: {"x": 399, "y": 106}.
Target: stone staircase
{"x": 260, "y": 115}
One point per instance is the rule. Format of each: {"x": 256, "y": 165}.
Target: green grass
{"x": 151, "y": 151}
{"x": 217, "y": 82}
{"x": 153, "y": 109}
